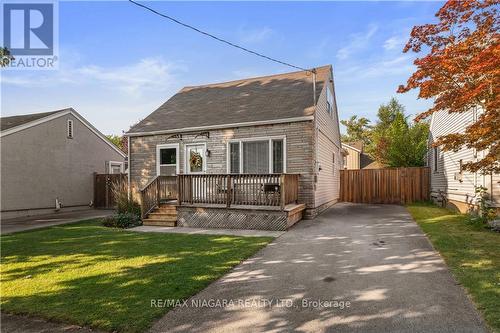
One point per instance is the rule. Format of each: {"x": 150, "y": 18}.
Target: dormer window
{"x": 69, "y": 129}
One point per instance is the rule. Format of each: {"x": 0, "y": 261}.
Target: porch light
{"x": 207, "y": 153}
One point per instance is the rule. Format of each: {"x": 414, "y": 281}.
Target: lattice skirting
{"x": 196, "y": 217}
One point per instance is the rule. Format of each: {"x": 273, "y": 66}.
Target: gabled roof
{"x": 253, "y": 100}
{"x": 13, "y": 124}
{"x": 356, "y": 145}
{"x": 14, "y": 121}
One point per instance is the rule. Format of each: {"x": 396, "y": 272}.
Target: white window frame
{"x": 329, "y": 105}
{"x": 186, "y": 158}
{"x": 111, "y": 163}
{"x": 158, "y": 160}
{"x": 435, "y": 159}
{"x": 70, "y": 134}
{"x": 269, "y": 139}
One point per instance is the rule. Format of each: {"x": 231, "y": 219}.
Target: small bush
{"x": 109, "y": 221}
{"x": 123, "y": 221}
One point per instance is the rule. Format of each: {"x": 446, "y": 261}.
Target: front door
{"x": 167, "y": 159}
{"x": 195, "y": 158}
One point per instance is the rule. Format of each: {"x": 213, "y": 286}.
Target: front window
{"x": 257, "y": 156}
{"x": 167, "y": 160}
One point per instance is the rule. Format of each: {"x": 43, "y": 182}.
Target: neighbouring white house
{"x": 448, "y": 179}
{"x": 48, "y": 160}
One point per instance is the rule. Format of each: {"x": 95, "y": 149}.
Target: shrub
{"x": 127, "y": 220}
{"x": 124, "y": 202}
{"x": 123, "y": 221}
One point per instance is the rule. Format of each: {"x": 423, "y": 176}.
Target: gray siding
{"x": 327, "y": 189}
{"x": 443, "y": 178}
{"x": 40, "y": 164}
{"x": 299, "y": 146}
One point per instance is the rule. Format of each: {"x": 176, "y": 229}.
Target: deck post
{"x": 178, "y": 178}
{"x": 158, "y": 191}
{"x": 282, "y": 191}
{"x": 228, "y": 191}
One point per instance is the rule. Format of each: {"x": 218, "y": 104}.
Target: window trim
{"x": 111, "y": 163}
{"x": 166, "y": 146}
{"x": 329, "y": 106}
{"x": 269, "y": 139}
{"x": 70, "y": 124}
{"x": 435, "y": 160}
{"x": 186, "y": 158}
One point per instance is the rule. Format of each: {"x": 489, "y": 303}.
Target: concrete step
{"x": 157, "y": 223}
{"x": 163, "y": 218}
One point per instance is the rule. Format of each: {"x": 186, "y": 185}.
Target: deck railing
{"x": 238, "y": 189}
{"x": 160, "y": 188}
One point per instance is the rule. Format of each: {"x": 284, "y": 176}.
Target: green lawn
{"x": 471, "y": 252}
{"x": 90, "y": 275}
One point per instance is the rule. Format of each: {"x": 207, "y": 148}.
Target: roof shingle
{"x": 14, "y": 121}
{"x": 264, "y": 98}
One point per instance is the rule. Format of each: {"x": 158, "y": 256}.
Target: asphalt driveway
{"x": 46, "y": 220}
{"x": 373, "y": 256}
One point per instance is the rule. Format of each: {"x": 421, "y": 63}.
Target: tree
{"x": 397, "y": 142}
{"x": 118, "y": 141}
{"x": 357, "y": 129}
{"x": 5, "y": 57}
{"x": 461, "y": 72}
{"x": 378, "y": 137}
{"x": 405, "y": 144}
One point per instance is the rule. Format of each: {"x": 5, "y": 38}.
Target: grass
{"x": 471, "y": 251}
{"x": 90, "y": 275}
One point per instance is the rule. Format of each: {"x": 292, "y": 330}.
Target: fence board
{"x": 103, "y": 189}
{"x": 389, "y": 186}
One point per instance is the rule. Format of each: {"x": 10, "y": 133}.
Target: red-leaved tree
{"x": 461, "y": 71}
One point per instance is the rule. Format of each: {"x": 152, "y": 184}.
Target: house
{"x": 450, "y": 184}
{"x": 257, "y": 153}
{"x": 356, "y": 158}
{"x": 48, "y": 161}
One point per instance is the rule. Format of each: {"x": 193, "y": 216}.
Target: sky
{"x": 118, "y": 62}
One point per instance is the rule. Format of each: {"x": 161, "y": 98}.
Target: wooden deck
{"x": 273, "y": 196}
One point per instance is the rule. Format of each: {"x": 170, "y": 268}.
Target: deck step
{"x": 158, "y": 223}
{"x": 160, "y": 214}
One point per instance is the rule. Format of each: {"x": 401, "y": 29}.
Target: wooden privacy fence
{"x": 103, "y": 189}
{"x": 390, "y": 186}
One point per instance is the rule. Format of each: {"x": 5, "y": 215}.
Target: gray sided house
{"x": 449, "y": 182}
{"x": 256, "y": 153}
{"x": 51, "y": 157}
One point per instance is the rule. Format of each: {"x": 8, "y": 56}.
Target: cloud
{"x": 358, "y": 41}
{"x": 145, "y": 75}
{"x": 379, "y": 69}
{"x": 252, "y": 36}
{"x": 395, "y": 42}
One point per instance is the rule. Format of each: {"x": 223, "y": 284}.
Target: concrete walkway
{"x": 372, "y": 256}
{"x": 47, "y": 220}
{"x": 201, "y": 231}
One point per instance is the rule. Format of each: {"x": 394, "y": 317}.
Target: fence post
{"x": 228, "y": 191}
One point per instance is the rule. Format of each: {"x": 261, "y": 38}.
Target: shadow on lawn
{"x": 106, "y": 278}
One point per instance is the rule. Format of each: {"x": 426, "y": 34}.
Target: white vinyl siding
{"x": 448, "y": 163}
{"x": 327, "y": 188}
